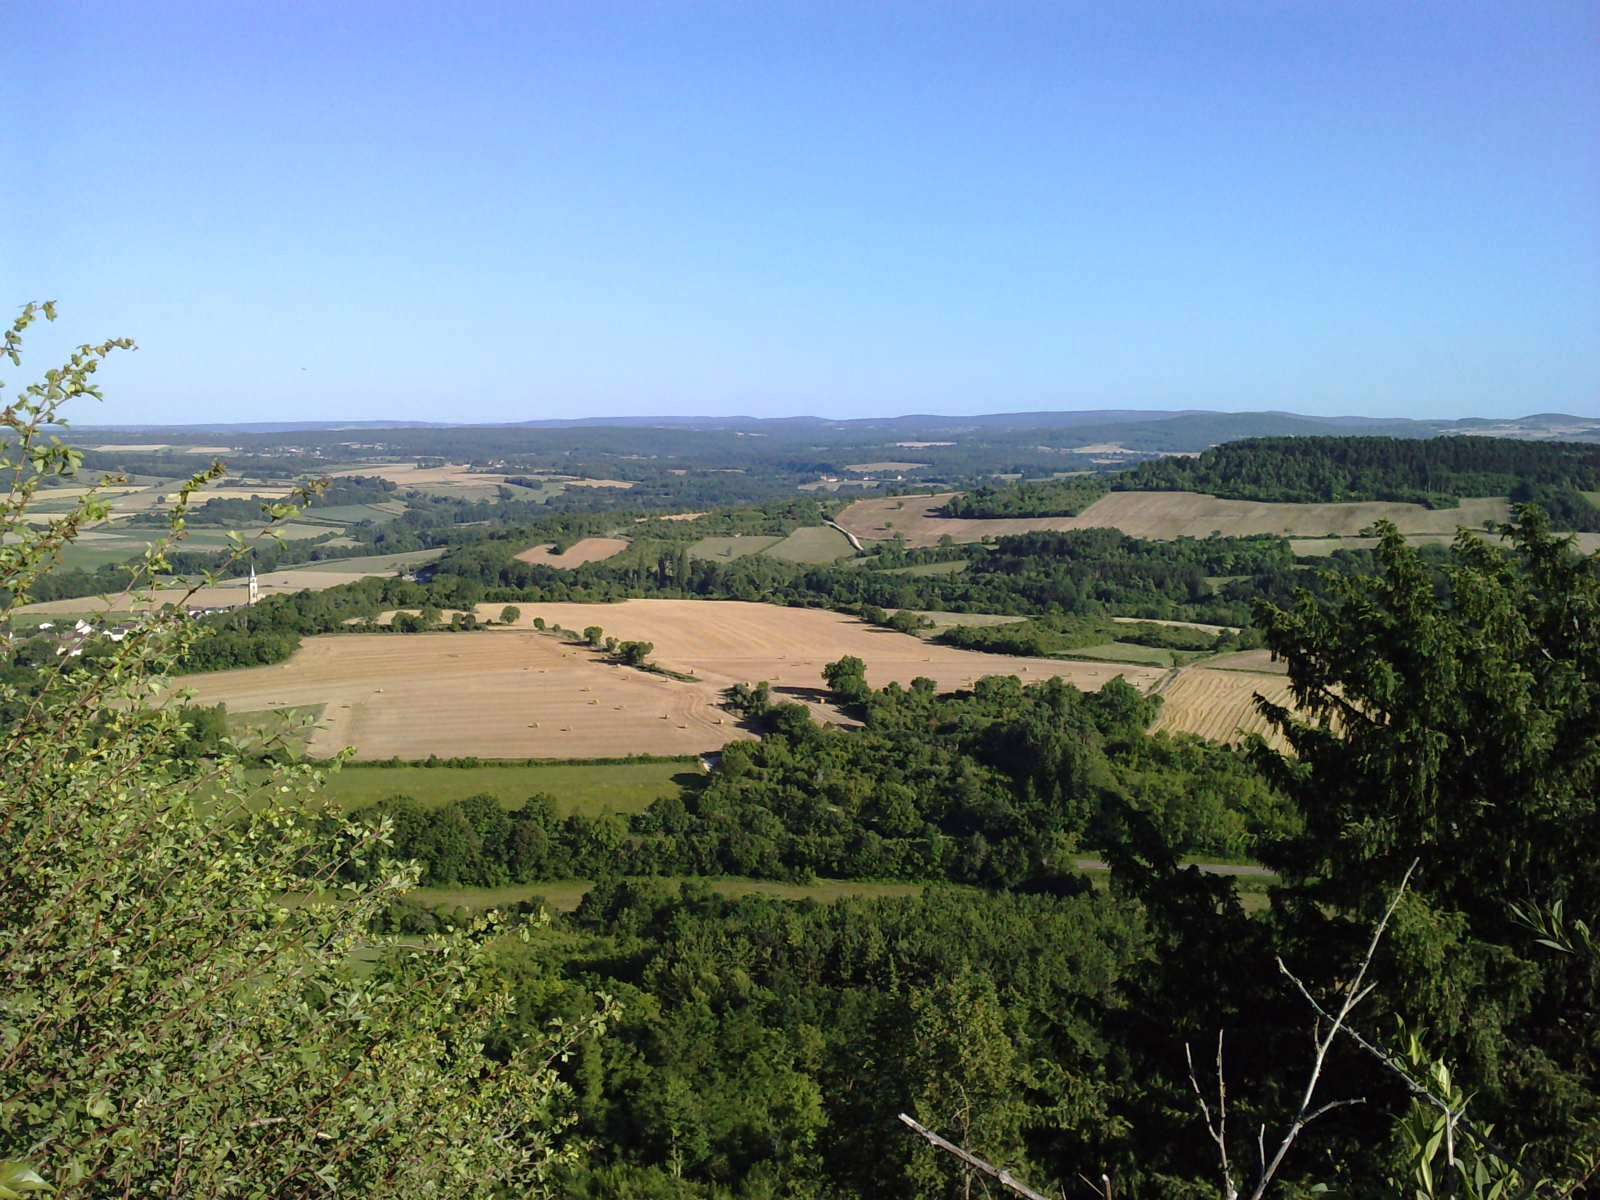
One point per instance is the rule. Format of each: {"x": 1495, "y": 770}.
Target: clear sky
{"x": 483, "y": 211}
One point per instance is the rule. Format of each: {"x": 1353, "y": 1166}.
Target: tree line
{"x": 1436, "y": 472}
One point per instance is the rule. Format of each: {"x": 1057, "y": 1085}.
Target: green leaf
{"x": 18, "y": 1179}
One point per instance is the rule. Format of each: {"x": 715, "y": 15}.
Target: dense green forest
{"x": 1432, "y": 471}
{"x": 999, "y": 787}
{"x": 766, "y": 1047}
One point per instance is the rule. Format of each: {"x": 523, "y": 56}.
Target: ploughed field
{"x": 1165, "y": 515}
{"x": 516, "y": 693}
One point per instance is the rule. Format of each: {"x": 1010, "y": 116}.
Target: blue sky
{"x": 498, "y": 212}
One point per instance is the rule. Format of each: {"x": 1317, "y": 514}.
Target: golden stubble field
{"x": 1164, "y": 515}
{"x": 514, "y": 693}
{"x": 1220, "y": 703}
{"x": 494, "y": 694}
{"x": 585, "y": 550}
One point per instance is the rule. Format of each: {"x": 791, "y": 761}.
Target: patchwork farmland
{"x": 516, "y": 693}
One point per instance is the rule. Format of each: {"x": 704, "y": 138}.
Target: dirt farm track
{"x": 515, "y": 693}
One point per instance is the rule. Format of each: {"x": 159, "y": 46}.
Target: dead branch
{"x": 1323, "y": 1037}
{"x": 1218, "y": 1129}
{"x": 1354, "y": 993}
{"x": 1004, "y": 1177}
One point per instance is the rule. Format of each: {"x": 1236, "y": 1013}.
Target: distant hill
{"x": 1139, "y": 431}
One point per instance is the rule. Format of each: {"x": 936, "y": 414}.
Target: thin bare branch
{"x": 999, "y": 1174}
{"x": 1218, "y": 1129}
{"x": 1354, "y": 992}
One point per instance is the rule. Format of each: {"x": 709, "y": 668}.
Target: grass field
{"x": 1164, "y": 515}
{"x": 583, "y": 788}
{"x": 373, "y": 564}
{"x": 1130, "y": 652}
{"x": 254, "y": 728}
{"x": 725, "y": 549}
{"x": 1259, "y": 661}
{"x": 1200, "y": 625}
{"x": 940, "y": 621}
{"x": 565, "y": 895}
{"x": 347, "y": 514}
{"x": 813, "y": 544}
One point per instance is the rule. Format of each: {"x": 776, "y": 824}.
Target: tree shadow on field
{"x": 691, "y": 781}
{"x": 813, "y": 694}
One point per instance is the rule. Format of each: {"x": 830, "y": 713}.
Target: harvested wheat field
{"x": 514, "y": 693}
{"x": 1164, "y": 515}
{"x": 724, "y": 642}
{"x": 1220, "y": 705}
{"x": 263, "y": 492}
{"x": 886, "y": 466}
{"x": 585, "y": 550}
{"x": 408, "y": 474}
{"x": 493, "y": 694}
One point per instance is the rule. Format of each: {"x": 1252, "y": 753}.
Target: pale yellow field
{"x": 1219, "y": 705}
{"x": 494, "y": 694}
{"x": 513, "y": 693}
{"x": 109, "y": 491}
{"x": 597, "y": 483}
{"x": 885, "y": 466}
{"x": 731, "y": 641}
{"x": 586, "y": 550}
{"x": 261, "y": 492}
{"x": 1163, "y": 515}
{"x": 408, "y": 474}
